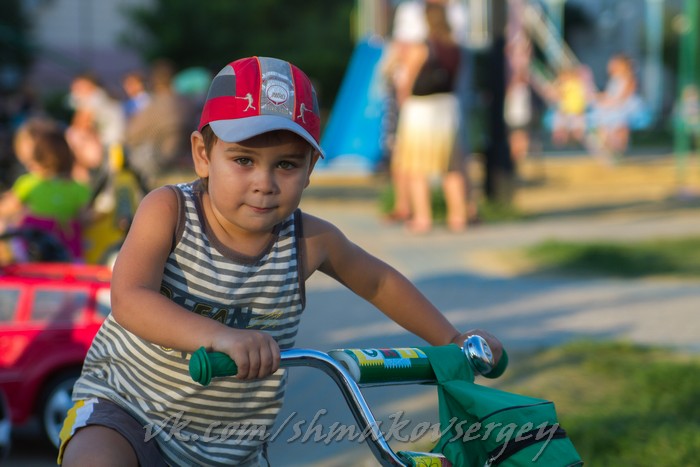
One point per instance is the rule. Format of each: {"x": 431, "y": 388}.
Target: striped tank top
{"x": 225, "y": 423}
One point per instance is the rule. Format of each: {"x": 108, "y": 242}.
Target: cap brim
{"x": 241, "y": 129}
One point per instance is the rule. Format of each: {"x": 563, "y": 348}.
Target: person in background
{"x": 428, "y": 125}
{"x": 614, "y": 108}
{"x": 46, "y": 198}
{"x": 570, "y": 96}
{"x": 518, "y": 115}
{"x": 84, "y": 141}
{"x": 88, "y": 97}
{"x": 410, "y": 29}
{"x": 156, "y": 136}
{"x": 137, "y": 97}
{"x": 15, "y": 108}
{"x": 687, "y": 114}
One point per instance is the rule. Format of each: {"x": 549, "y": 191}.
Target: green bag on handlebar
{"x": 485, "y": 426}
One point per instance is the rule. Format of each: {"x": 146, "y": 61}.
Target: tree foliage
{"x": 14, "y": 36}
{"x": 312, "y": 34}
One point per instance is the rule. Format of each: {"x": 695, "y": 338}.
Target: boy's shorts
{"x": 105, "y": 413}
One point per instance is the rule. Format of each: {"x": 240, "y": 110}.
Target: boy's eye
{"x": 244, "y": 161}
{"x": 286, "y": 165}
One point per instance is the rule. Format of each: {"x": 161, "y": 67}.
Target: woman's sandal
{"x": 419, "y": 227}
{"x": 396, "y": 218}
{"x": 456, "y": 225}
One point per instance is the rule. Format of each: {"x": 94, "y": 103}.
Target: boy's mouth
{"x": 260, "y": 210}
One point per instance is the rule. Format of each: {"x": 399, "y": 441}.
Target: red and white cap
{"x": 254, "y": 95}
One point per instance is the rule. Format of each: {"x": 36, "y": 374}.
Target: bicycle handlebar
{"x": 206, "y": 365}
{"x": 366, "y": 366}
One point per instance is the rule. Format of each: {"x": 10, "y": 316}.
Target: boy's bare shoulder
{"x": 162, "y": 201}
{"x": 315, "y": 227}
{"x": 155, "y": 222}
{"x": 163, "y": 194}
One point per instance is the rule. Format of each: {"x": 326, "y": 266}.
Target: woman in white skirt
{"x": 429, "y": 119}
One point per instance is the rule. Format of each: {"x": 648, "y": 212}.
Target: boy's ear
{"x": 314, "y": 158}
{"x": 199, "y": 155}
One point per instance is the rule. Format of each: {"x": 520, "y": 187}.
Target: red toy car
{"x": 49, "y": 314}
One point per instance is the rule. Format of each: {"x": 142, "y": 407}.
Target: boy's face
{"x": 255, "y": 184}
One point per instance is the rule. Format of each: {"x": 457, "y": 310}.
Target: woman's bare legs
{"x": 402, "y": 200}
{"x": 455, "y": 189}
{"x": 422, "y": 220}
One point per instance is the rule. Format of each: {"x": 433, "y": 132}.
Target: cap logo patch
{"x": 277, "y": 95}
{"x": 277, "y": 92}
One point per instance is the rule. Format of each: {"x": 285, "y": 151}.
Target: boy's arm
{"x": 139, "y": 307}
{"x": 329, "y": 251}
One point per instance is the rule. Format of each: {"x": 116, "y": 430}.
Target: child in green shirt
{"x": 46, "y": 198}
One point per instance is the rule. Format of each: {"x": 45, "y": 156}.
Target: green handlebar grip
{"x": 499, "y": 368}
{"x": 206, "y": 365}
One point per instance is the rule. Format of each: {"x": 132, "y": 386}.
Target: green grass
{"x": 621, "y": 404}
{"x": 679, "y": 257}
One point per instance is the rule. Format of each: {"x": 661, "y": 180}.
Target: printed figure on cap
{"x": 249, "y": 99}
{"x": 220, "y": 262}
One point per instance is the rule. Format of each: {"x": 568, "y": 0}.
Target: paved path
{"x": 529, "y": 310}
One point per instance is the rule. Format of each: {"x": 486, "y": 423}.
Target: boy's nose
{"x": 264, "y": 182}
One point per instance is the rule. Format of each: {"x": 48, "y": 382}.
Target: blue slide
{"x": 352, "y": 136}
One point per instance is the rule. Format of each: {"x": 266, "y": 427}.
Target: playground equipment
{"x": 352, "y": 136}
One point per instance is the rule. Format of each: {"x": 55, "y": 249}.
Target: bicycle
{"x": 353, "y": 369}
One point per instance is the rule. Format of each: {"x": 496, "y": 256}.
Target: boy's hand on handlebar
{"x": 256, "y": 353}
{"x": 491, "y": 340}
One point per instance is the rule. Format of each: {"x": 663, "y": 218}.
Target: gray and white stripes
{"x": 223, "y": 423}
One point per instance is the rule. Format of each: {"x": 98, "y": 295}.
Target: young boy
{"x": 221, "y": 263}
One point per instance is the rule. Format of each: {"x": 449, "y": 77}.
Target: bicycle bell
{"x": 478, "y": 354}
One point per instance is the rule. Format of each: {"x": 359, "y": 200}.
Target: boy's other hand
{"x": 493, "y": 342}
{"x": 256, "y": 353}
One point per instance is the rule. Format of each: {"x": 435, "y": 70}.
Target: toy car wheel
{"x": 55, "y": 404}
{"x": 5, "y": 428}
